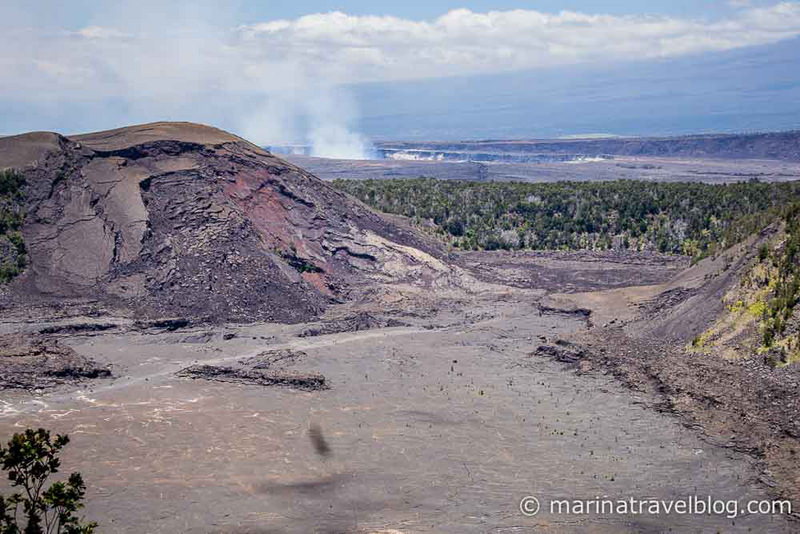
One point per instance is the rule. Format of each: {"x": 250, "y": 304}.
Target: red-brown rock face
{"x": 184, "y": 219}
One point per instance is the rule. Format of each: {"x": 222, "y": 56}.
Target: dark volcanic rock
{"x": 562, "y": 351}
{"x": 184, "y": 220}
{"x": 359, "y": 321}
{"x": 78, "y": 328}
{"x": 170, "y": 325}
{"x": 37, "y": 362}
{"x": 308, "y": 382}
{"x": 273, "y": 359}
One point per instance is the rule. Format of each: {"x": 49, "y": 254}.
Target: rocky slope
{"x": 182, "y": 219}
{"x": 696, "y": 345}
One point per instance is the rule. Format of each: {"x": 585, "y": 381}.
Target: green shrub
{"x": 30, "y": 458}
{"x": 763, "y": 252}
{"x": 12, "y": 247}
{"x": 11, "y": 183}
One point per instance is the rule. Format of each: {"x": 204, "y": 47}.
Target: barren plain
{"x": 439, "y": 411}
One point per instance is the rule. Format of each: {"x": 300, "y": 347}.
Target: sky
{"x": 318, "y": 72}
{"x": 81, "y": 13}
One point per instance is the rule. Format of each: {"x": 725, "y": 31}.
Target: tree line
{"x": 693, "y": 219}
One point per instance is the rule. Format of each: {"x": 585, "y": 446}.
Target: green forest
{"x": 693, "y": 219}
{"x": 12, "y": 248}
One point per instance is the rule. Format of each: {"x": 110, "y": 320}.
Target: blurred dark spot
{"x": 318, "y": 440}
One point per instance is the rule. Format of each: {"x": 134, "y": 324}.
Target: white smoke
{"x": 148, "y": 61}
{"x": 301, "y": 111}
{"x": 321, "y": 119}
{"x": 331, "y": 115}
{"x": 336, "y": 141}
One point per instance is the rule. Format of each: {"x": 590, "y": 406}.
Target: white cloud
{"x": 348, "y": 48}
{"x": 99, "y": 32}
{"x": 464, "y": 42}
{"x": 284, "y": 69}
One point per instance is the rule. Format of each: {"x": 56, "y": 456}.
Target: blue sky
{"x": 332, "y": 73}
{"x": 255, "y": 11}
{"x": 79, "y": 13}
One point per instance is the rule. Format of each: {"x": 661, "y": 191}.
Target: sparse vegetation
{"x": 11, "y": 183}
{"x": 12, "y": 247}
{"x": 683, "y": 218}
{"x": 764, "y": 301}
{"x": 700, "y": 342}
{"x": 29, "y": 459}
{"x": 763, "y": 252}
{"x": 786, "y": 288}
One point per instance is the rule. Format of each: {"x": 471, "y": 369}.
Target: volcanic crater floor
{"x": 437, "y": 420}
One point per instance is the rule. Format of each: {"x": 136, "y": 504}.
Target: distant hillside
{"x": 775, "y": 146}
{"x": 752, "y": 89}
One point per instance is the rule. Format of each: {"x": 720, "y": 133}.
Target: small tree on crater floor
{"x": 29, "y": 459}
